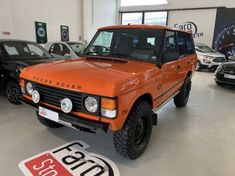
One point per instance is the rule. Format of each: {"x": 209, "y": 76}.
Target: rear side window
{"x": 171, "y": 52}
{"x": 190, "y": 44}
{"x": 181, "y": 41}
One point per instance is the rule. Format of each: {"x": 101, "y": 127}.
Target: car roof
{"x": 141, "y": 27}
{"x": 52, "y": 42}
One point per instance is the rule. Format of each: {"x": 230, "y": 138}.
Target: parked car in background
{"x": 208, "y": 58}
{"x": 65, "y": 49}
{"x": 14, "y": 56}
{"x": 225, "y": 74}
{"x": 120, "y": 86}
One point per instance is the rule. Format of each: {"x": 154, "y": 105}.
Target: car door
{"x": 171, "y": 66}
{"x": 184, "y": 57}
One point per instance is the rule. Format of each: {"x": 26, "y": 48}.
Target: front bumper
{"x": 220, "y": 79}
{"x": 71, "y": 120}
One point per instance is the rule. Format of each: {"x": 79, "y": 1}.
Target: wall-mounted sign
{"x": 6, "y": 33}
{"x": 200, "y": 22}
{"x": 41, "y": 32}
{"x": 191, "y": 27}
{"x": 64, "y": 30}
{"x": 224, "y": 35}
{"x": 68, "y": 160}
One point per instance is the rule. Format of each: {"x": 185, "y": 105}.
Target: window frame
{"x": 185, "y": 44}
{"x": 164, "y": 59}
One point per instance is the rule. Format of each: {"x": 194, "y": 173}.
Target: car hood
{"x": 98, "y": 76}
{"x": 229, "y": 65}
{"x": 211, "y": 54}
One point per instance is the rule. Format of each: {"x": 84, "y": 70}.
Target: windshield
{"x": 204, "y": 49}
{"x": 24, "y": 50}
{"x": 76, "y": 47}
{"x": 140, "y": 44}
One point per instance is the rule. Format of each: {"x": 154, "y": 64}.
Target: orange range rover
{"x": 126, "y": 74}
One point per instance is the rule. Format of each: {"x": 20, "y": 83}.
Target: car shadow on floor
{"x": 228, "y": 88}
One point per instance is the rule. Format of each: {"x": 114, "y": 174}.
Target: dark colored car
{"x": 225, "y": 74}
{"x": 14, "y": 56}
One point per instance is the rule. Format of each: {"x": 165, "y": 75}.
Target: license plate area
{"x": 229, "y": 76}
{"x": 46, "y": 113}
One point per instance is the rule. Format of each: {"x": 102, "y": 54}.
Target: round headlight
{"x": 91, "y": 104}
{"x": 66, "y": 105}
{"x": 35, "y": 96}
{"x": 29, "y": 88}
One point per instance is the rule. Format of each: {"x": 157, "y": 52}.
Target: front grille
{"x": 219, "y": 59}
{"x": 53, "y": 96}
{"x": 230, "y": 72}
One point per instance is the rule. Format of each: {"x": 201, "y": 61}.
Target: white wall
{"x": 204, "y": 21}
{"x": 18, "y": 17}
{"x": 181, "y": 4}
{"x": 98, "y": 13}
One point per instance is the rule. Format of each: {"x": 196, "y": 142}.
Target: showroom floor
{"x": 194, "y": 141}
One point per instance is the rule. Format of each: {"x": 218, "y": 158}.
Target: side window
{"x": 190, "y": 44}
{"x": 34, "y": 50}
{"x": 65, "y": 49}
{"x": 171, "y": 52}
{"x": 56, "y": 49}
{"x": 181, "y": 42}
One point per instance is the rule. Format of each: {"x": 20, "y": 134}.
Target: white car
{"x": 65, "y": 49}
{"x": 208, "y": 58}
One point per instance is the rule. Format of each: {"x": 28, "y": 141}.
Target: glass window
{"x": 171, "y": 52}
{"x": 181, "y": 41}
{"x": 157, "y": 18}
{"x": 190, "y": 44}
{"x": 132, "y": 18}
{"x": 23, "y": 50}
{"x": 144, "y": 44}
{"x": 142, "y": 2}
{"x": 60, "y": 49}
{"x": 77, "y": 47}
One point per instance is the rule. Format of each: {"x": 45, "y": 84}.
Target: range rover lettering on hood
{"x": 59, "y": 84}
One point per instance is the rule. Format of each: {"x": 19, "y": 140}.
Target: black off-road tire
{"x": 13, "y": 92}
{"x": 181, "y": 99}
{"x": 48, "y": 123}
{"x": 128, "y": 142}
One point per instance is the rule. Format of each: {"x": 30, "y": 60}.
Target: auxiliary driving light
{"x": 66, "y": 105}
{"x": 35, "y": 96}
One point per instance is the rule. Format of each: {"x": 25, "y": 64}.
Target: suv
{"x": 120, "y": 89}
{"x": 208, "y": 58}
{"x": 14, "y": 56}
